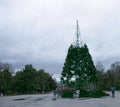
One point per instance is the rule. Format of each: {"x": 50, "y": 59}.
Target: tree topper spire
{"x": 78, "y": 41}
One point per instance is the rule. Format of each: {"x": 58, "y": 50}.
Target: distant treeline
{"x": 110, "y": 77}
{"x": 32, "y": 81}
{"x": 27, "y": 81}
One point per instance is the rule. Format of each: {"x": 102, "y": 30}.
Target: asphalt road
{"x": 46, "y": 100}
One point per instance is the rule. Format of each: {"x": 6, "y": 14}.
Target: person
{"x": 58, "y": 92}
{"x": 113, "y": 91}
{"x": 54, "y": 92}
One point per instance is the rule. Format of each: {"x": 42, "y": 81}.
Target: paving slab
{"x": 46, "y": 100}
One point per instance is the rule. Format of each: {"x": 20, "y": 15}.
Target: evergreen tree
{"x": 29, "y": 81}
{"x": 5, "y": 78}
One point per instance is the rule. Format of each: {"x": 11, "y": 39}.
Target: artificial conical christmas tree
{"x": 79, "y": 70}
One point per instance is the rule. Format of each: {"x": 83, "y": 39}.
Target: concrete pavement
{"x": 45, "y": 100}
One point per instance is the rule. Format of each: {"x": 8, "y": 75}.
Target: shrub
{"x": 93, "y": 93}
{"x": 84, "y": 93}
{"x": 98, "y": 94}
{"x": 67, "y": 93}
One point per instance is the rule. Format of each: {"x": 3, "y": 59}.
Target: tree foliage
{"x": 79, "y": 66}
{"x": 27, "y": 81}
{"x": 5, "y": 77}
{"x": 109, "y": 78}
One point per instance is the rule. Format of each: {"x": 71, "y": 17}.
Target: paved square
{"x": 46, "y": 101}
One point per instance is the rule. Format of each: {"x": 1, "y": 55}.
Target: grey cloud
{"x": 40, "y": 32}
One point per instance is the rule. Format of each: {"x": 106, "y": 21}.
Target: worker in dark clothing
{"x": 113, "y": 91}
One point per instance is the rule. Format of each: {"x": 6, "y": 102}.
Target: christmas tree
{"x": 79, "y": 71}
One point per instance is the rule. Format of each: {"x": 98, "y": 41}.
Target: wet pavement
{"x": 46, "y": 100}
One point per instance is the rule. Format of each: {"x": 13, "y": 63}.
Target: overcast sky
{"x": 39, "y": 32}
